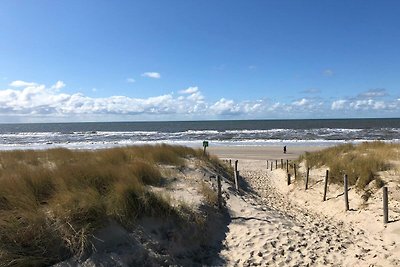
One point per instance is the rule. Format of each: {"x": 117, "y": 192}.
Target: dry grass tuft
{"x": 52, "y": 201}
{"x": 210, "y": 196}
{"x": 216, "y": 165}
{"x": 360, "y": 162}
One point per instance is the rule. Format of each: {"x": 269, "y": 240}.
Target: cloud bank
{"x": 31, "y": 99}
{"x": 153, "y": 75}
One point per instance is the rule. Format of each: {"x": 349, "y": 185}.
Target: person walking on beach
{"x": 284, "y": 150}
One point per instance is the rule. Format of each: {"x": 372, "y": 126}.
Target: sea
{"x": 95, "y": 135}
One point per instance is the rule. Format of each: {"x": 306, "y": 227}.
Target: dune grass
{"x": 360, "y": 162}
{"x": 210, "y": 195}
{"x": 52, "y": 201}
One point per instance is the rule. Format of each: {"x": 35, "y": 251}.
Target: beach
{"x": 281, "y": 225}
{"x": 261, "y": 152}
{"x": 267, "y": 221}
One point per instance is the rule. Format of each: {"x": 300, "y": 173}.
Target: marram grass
{"x": 52, "y": 201}
{"x": 360, "y": 162}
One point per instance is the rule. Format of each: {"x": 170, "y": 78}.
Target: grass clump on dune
{"x": 360, "y": 162}
{"x": 210, "y": 196}
{"x": 52, "y": 201}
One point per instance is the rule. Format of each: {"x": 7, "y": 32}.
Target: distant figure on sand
{"x": 284, "y": 150}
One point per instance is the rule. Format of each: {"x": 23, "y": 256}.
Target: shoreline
{"x": 220, "y": 147}
{"x": 261, "y": 152}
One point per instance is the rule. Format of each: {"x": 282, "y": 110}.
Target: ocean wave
{"x": 276, "y": 136}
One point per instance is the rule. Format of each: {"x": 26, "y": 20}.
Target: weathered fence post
{"x": 276, "y": 164}
{"x": 295, "y": 171}
{"x": 385, "y": 205}
{"x": 219, "y": 192}
{"x": 237, "y": 180}
{"x": 287, "y": 165}
{"x": 346, "y": 192}
{"x": 267, "y": 164}
{"x": 307, "y": 175}
{"x": 288, "y": 178}
{"x": 230, "y": 162}
{"x": 272, "y": 163}
{"x": 281, "y": 163}
{"x": 326, "y": 184}
{"x": 236, "y": 174}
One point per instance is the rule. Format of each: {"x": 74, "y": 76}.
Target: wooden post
{"x": 326, "y": 184}
{"x": 267, "y": 164}
{"x": 235, "y": 174}
{"x": 346, "y": 192}
{"x": 288, "y": 178}
{"x": 276, "y": 164}
{"x": 237, "y": 180}
{"x": 272, "y": 163}
{"x": 385, "y": 205}
{"x": 295, "y": 171}
{"x": 287, "y": 165}
{"x": 307, "y": 175}
{"x": 219, "y": 192}
{"x": 230, "y": 162}
{"x": 281, "y": 163}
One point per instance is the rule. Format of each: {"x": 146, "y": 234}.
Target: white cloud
{"x": 39, "y": 99}
{"x": 130, "y": 80}
{"x": 379, "y": 105}
{"x": 339, "y": 104}
{"x": 301, "y": 102}
{"x": 189, "y": 90}
{"x": 22, "y": 84}
{"x": 274, "y": 106}
{"x": 153, "y": 75}
{"x": 27, "y": 99}
{"x": 373, "y": 100}
{"x": 58, "y": 85}
{"x": 367, "y": 104}
{"x": 252, "y": 107}
{"x": 225, "y": 107}
{"x": 196, "y": 97}
{"x": 373, "y": 93}
{"x": 362, "y": 105}
{"x": 229, "y": 107}
{"x": 194, "y": 94}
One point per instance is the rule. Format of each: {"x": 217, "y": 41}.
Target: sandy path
{"x": 269, "y": 228}
{"x": 264, "y": 233}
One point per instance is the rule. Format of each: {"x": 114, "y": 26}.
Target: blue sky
{"x": 191, "y": 60}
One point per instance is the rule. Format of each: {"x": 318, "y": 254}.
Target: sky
{"x": 99, "y": 60}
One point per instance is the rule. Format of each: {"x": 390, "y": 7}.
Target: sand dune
{"x": 266, "y": 223}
